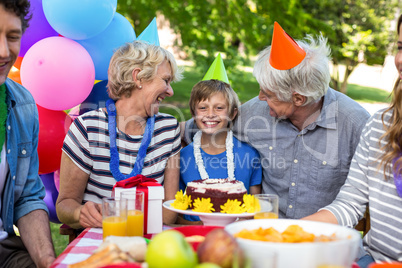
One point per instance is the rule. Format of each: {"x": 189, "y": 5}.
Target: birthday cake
{"x": 218, "y": 190}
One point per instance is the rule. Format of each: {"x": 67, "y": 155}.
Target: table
{"x": 84, "y": 245}
{"x": 80, "y": 248}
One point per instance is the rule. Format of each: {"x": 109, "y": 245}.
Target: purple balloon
{"x": 51, "y": 195}
{"x": 39, "y": 28}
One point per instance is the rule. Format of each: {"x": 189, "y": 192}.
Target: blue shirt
{"x": 247, "y": 166}
{"x": 24, "y": 190}
{"x": 306, "y": 168}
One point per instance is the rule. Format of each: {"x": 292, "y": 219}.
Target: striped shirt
{"x": 87, "y": 143}
{"x": 366, "y": 185}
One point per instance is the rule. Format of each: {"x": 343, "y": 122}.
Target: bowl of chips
{"x": 296, "y": 243}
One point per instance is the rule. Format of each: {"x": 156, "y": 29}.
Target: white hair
{"x": 309, "y": 78}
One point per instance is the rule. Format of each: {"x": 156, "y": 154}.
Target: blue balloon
{"x": 79, "y": 19}
{"x": 96, "y": 99}
{"x": 102, "y": 46}
{"x": 150, "y": 34}
{"x": 51, "y": 195}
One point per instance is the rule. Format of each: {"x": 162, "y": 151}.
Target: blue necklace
{"x": 114, "y": 154}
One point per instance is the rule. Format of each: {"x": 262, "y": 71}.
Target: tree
{"x": 357, "y": 31}
{"x": 241, "y": 28}
{"x": 236, "y": 28}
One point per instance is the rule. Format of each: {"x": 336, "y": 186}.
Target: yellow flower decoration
{"x": 232, "y": 207}
{"x": 257, "y": 206}
{"x": 181, "y": 201}
{"x": 248, "y": 203}
{"x": 203, "y": 205}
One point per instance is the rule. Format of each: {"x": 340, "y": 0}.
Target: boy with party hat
{"x": 305, "y": 132}
{"x": 215, "y": 153}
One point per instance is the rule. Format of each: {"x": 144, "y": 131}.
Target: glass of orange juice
{"x": 266, "y": 206}
{"x": 114, "y": 217}
{"x": 135, "y": 212}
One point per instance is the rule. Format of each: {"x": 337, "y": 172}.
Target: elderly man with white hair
{"x": 306, "y": 132}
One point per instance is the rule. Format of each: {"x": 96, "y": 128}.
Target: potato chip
{"x": 292, "y": 234}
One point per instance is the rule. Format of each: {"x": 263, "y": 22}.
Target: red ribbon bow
{"x": 142, "y": 183}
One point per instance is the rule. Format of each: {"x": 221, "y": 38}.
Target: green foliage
{"x": 236, "y": 28}
{"x": 241, "y": 28}
{"x": 356, "y": 28}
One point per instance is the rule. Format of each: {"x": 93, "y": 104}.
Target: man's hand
{"x": 91, "y": 215}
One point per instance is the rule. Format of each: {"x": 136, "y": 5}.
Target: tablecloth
{"x": 84, "y": 245}
{"x": 80, "y": 249}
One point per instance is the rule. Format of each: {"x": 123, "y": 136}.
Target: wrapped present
{"x": 153, "y": 196}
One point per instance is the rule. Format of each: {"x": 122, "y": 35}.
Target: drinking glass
{"x": 135, "y": 212}
{"x": 114, "y": 217}
{"x": 266, "y": 206}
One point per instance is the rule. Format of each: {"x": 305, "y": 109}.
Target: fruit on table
{"x": 207, "y": 265}
{"x": 169, "y": 249}
{"x": 221, "y": 248}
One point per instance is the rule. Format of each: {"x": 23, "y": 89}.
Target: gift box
{"x": 153, "y": 222}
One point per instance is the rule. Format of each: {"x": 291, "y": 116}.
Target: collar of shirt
{"x": 10, "y": 99}
{"x": 329, "y": 113}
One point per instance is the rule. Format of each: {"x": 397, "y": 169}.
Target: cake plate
{"x": 211, "y": 219}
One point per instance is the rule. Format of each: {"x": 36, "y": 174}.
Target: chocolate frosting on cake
{"x": 219, "y": 190}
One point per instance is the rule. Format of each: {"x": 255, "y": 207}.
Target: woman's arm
{"x": 171, "y": 185}
{"x": 323, "y": 216}
{"x": 70, "y": 210}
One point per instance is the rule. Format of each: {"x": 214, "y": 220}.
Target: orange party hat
{"x": 285, "y": 52}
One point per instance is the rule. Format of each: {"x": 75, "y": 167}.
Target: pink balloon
{"x": 74, "y": 112}
{"x": 58, "y": 72}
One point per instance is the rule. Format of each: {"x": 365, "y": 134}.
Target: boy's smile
{"x": 212, "y": 115}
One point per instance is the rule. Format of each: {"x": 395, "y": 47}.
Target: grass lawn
{"x": 368, "y": 94}
{"x": 59, "y": 241}
{"x": 246, "y": 87}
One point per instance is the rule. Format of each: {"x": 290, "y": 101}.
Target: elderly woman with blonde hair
{"x": 127, "y": 138}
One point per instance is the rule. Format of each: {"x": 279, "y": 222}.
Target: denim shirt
{"x": 306, "y": 168}
{"x": 24, "y": 190}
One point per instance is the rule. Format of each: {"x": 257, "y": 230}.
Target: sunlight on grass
{"x": 368, "y": 94}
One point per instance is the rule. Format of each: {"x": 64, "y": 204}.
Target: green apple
{"x": 207, "y": 265}
{"x": 169, "y": 249}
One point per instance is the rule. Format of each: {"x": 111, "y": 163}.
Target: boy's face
{"x": 10, "y": 40}
{"x": 212, "y": 115}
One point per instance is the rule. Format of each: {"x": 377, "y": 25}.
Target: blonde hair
{"x": 393, "y": 133}
{"x": 134, "y": 55}
{"x": 203, "y": 90}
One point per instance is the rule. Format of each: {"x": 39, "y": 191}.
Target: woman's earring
{"x": 140, "y": 86}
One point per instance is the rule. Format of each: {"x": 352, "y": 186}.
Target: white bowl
{"x": 341, "y": 252}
